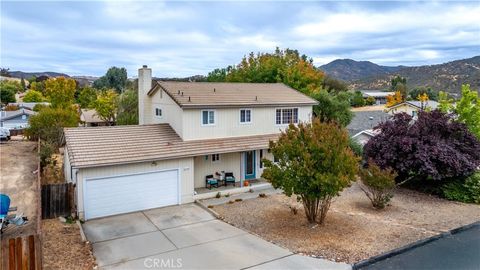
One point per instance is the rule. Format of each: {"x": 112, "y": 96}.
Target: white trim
{"x": 240, "y": 116}
{"x": 281, "y": 116}
{"x": 84, "y": 186}
{"x": 208, "y": 117}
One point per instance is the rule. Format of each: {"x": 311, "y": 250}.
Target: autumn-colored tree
{"x": 378, "y": 184}
{"x": 106, "y": 106}
{"x": 286, "y": 66}
{"x": 394, "y": 99}
{"x": 60, "y": 92}
{"x": 33, "y": 96}
{"x": 314, "y": 164}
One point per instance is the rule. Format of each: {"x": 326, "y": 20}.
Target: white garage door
{"x": 128, "y": 193}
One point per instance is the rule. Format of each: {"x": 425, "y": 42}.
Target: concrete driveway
{"x": 186, "y": 237}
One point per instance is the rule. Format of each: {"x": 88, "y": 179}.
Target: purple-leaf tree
{"x": 432, "y": 147}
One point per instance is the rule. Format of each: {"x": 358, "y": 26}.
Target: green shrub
{"x": 356, "y": 147}
{"x": 46, "y": 152}
{"x": 467, "y": 191}
{"x": 378, "y": 184}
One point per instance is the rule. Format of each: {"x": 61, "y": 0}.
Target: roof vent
{"x": 189, "y": 100}
{"x": 145, "y": 66}
{"x": 214, "y": 90}
{"x": 256, "y": 98}
{"x": 178, "y": 92}
{"x": 371, "y": 117}
{"x": 182, "y": 94}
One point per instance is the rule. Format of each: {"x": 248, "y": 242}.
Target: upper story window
{"x": 208, "y": 117}
{"x": 245, "y": 116}
{"x": 24, "y": 117}
{"x": 286, "y": 116}
{"x": 158, "y": 112}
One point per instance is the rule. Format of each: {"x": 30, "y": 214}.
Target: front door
{"x": 250, "y": 165}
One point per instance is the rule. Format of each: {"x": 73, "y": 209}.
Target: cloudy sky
{"x": 188, "y": 38}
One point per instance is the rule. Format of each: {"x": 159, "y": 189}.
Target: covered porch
{"x": 245, "y": 167}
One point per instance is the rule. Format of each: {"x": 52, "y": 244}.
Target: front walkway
{"x": 186, "y": 237}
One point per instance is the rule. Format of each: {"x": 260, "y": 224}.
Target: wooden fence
{"x": 57, "y": 200}
{"x": 21, "y": 253}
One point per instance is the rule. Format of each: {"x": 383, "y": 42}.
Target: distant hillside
{"x": 351, "y": 70}
{"x": 446, "y": 77}
{"x": 194, "y": 78}
{"x": 28, "y": 75}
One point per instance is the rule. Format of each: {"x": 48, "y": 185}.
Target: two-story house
{"x": 187, "y": 131}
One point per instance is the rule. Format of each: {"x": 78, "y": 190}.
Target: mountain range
{"x": 361, "y": 75}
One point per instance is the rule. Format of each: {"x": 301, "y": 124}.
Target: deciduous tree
{"x": 314, "y": 164}
{"x": 48, "y": 124}
{"x": 106, "y": 106}
{"x": 60, "y": 92}
{"x": 115, "y": 78}
{"x": 394, "y": 99}
{"x": 435, "y": 146}
{"x": 128, "y": 108}
{"x": 468, "y": 110}
{"x": 333, "y": 108}
{"x": 33, "y": 96}
{"x": 87, "y": 97}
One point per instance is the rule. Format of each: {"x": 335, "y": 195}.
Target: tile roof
{"x": 215, "y": 94}
{"x": 102, "y": 146}
{"x": 90, "y": 116}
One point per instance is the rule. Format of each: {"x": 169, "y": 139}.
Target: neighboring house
{"x": 365, "y": 120}
{"x": 89, "y": 118}
{"x": 15, "y": 119}
{"x": 364, "y": 136}
{"x": 187, "y": 130}
{"x": 380, "y": 96}
{"x": 28, "y": 105}
{"x": 412, "y": 107}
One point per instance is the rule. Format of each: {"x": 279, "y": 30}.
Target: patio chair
{"x": 229, "y": 178}
{"x": 210, "y": 181}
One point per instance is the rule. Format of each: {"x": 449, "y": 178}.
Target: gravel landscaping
{"x": 63, "y": 247}
{"x": 353, "y": 230}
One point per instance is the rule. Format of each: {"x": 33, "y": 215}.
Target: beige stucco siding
{"x": 205, "y": 166}
{"x": 185, "y": 166}
{"x": 171, "y": 112}
{"x": 227, "y": 123}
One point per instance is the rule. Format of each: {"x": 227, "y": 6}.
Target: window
{"x": 414, "y": 113}
{"x": 24, "y": 117}
{"x": 208, "y": 117}
{"x": 286, "y": 116}
{"x": 261, "y": 158}
{"x": 158, "y": 112}
{"x": 245, "y": 116}
{"x": 215, "y": 157}
{"x": 275, "y": 159}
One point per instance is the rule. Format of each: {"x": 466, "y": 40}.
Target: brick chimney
{"x": 144, "y": 85}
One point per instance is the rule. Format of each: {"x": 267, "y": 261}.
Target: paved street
{"x": 187, "y": 237}
{"x": 458, "y": 251}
